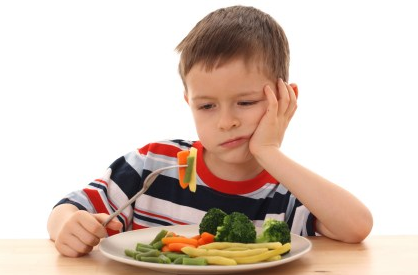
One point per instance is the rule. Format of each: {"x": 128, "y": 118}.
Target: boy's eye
{"x": 206, "y": 106}
{"x": 247, "y": 103}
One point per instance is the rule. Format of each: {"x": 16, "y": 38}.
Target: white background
{"x": 84, "y": 82}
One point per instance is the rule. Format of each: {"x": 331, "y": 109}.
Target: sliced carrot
{"x": 206, "y": 238}
{"x": 165, "y": 248}
{"x": 176, "y": 247}
{"x": 168, "y": 240}
{"x": 182, "y": 160}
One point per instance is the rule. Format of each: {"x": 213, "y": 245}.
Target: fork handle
{"x": 117, "y": 212}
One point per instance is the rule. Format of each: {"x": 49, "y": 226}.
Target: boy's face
{"x": 227, "y": 104}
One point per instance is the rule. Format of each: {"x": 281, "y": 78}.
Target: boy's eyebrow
{"x": 247, "y": 93}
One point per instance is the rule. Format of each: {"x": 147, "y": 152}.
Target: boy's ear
{"x": 295, "y": 89}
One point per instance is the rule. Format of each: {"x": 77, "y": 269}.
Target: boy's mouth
{"x": 234, "y": 142}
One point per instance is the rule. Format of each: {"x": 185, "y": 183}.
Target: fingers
{"x": 287, "y": 99}
{"x": 71, "y": 246}
{"x": 286, "y": 102}
{"x": 74, "y": 240}
{"x": 114, "y": 224}
{"x": 82, "y": 232}
{"x": 272, "y": 101}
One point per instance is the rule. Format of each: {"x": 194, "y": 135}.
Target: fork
{"x": 149, "y": 180}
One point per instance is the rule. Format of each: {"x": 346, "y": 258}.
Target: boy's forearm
{"x": 58, "y": 217}
{"x": 341, "y": 215}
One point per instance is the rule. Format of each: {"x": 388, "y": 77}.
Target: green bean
{"x": 151, "y": 260}
{"x": 165, "y": 259}
{"x": 151, "y": 253}
{"x": 179, "y": 260}
{"x": 195, "y": 261}
{"x": 159, "y": 236}
{"x": 158, "y": 245}
{"x": 130, "y": 253}
{"x": 143, "y": 246}
{"x": 173, "y": 256}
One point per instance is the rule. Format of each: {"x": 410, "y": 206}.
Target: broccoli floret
{"x": 211, "y": 220}
{"x": 236, "y": 227}
{"x": 274, "y": 231}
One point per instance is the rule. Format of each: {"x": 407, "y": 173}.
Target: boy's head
{"x": 236, "y": 32}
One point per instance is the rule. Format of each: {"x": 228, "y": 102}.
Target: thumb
{"x": 114, "y": 224}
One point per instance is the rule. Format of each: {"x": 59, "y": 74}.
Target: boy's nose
{"x": 227, "y": 120}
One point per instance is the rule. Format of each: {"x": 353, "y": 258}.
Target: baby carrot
{"x": 197, "y": 237}
{"x": 176, "y": 247}
{"x": 206, "y": 238}
{"x": 182, "y": 160}
{"x": 168, "y": 240}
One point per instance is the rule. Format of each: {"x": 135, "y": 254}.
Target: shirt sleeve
{"x": 121, "y": 181}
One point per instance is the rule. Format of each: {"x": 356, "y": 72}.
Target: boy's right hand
{"x": 81, "y": 232}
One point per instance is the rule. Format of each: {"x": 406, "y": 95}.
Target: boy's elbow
{"x": 360, "y": 230}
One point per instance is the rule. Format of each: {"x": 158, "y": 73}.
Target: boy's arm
{"x": 339, "y": 214}
{"x": 76, "y": 232}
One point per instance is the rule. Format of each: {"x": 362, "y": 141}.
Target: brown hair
{"x": 236, "y": 32}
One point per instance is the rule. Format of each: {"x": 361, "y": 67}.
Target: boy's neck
{"x": 233, "y": 171}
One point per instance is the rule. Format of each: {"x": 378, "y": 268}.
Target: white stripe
{"x": 160, "y": 160}
{"x": 119, "y": 198}
{"x": 281, "y": 189}
{"x": 168, "y": 209}
{"x": 266, "y": 191}
{"x": 81, "y": 198}
{"x": 290, "y": 205}
{"x": 136, "y": 161}
{"x": 299, "y": 221}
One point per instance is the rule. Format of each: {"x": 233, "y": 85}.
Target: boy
{"x": 234, "y": 67}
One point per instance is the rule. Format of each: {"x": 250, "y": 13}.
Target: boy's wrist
{"x": 266, "y": 154}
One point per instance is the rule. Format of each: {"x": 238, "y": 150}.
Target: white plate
{"x": 113, "y": 247}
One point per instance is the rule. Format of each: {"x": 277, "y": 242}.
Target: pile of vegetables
{"x": 223, "y": 239}
{"x": 166, "y": 248}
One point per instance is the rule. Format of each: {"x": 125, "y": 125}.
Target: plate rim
{"x": 199, "y": 269}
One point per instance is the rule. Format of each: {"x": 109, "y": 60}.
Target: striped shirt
{"x": 166, "y": 203}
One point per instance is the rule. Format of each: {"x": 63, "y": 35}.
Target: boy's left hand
{"x": 272, "y": 126}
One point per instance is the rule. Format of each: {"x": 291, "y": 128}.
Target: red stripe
{"x": 226, "y": 186}
{"x": 136, "y": 226}
{"x": 98, "y": 204}
{"x": 102, "y": 181}
{"x": 160, "y": 217}
{"x": 96, "y": 200}
{"x": 121, "y": 214}
{"x": 160, "y": 149}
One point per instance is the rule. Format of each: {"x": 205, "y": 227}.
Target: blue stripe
{"x": 128, "y": 180}
{"x": 151, "y": 220}
{"x": 68, "y": 201}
